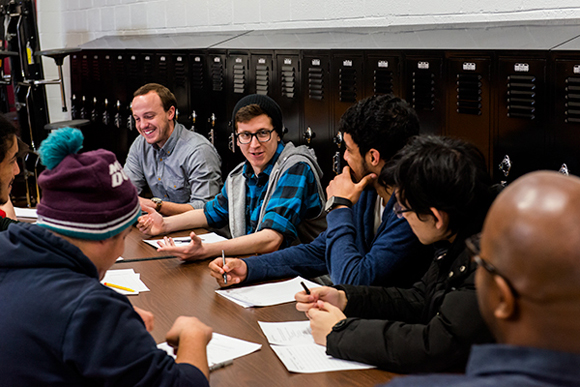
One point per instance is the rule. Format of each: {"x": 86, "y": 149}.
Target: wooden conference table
{"x": 179, "y": 288}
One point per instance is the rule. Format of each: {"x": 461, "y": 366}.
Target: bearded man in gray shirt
{"x": 181, "y": 167}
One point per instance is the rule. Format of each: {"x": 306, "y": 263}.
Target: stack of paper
{"x": 25, "y": 212}
{"x": 210, "y": 237}
{"x": 293, "y": 343}
{"x": 267, "y": 294}
{"x": 124, "y": 281}
{"x": 221, "y": 348}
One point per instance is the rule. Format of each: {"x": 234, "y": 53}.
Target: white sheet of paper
{"x": 287, "y": 333}
{"x": 25, "y": 212}
{"x": 210, "y": 237}
{"x": 311, "y": 358}
{"x": 266, "y": 294}
{"x": 126, "y": 278}
{"x": 221, "y": 348}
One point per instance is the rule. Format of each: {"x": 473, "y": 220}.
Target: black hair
{"x": 382, "y": 122}
{"x": 444, "y": 173}
{"x": 7, "y": 136}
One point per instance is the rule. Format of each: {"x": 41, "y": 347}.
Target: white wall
{"x": 69, "y": 23}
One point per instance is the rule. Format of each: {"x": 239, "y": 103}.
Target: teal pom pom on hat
{"x": 84, "y": 195}
{"x": 58, "y": 145}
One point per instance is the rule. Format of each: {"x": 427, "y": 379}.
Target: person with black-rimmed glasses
{"x": 270, "y": 201}
{"x": 443, "y": 191}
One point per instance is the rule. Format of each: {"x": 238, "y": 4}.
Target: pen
{"x": 305, "y": 288}
{"x": 118, "y": 287}
{"x": 223, "y": 264}
{"x": 223, "y": 364}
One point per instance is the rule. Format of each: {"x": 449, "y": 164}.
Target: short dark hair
{"x": 167, "y": 98}
{"x": 7, "y": 136}
{"x": 445, "y": 173}
{"x": 247, "y": 113}
{"x": 382, "y": 122}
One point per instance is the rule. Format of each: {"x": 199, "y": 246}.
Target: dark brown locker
{"x": 424, "y": 90}
{"x": 383, "y": 74}
{"x": 316, "y": 97}
{"x": 287, "y": 93}
{"x": 521, "y": 113}
{"x": 564, "y": 138}
{"x": 469, "y": 101}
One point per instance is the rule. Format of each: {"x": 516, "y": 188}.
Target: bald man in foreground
{"x": 528, "y": 287}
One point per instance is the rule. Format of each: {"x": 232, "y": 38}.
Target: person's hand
{"x": 186, "y": 252}
{"x": 343, "y": 186}
{"x": 322, "y": 318}
{"x": 327, "y": 294}
{"x": 146, "y": 203}
{"x": 152, "y": 223}
{"x": 236, "y": 269}
{"x": 147, "y": 318}
{"x": 191, "y": 327}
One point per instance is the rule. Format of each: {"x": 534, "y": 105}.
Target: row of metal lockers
{"x": 511, "y": 90}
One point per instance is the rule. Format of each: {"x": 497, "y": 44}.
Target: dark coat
{"x": 429, "y": 327}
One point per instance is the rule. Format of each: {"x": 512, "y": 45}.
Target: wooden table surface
{"x": 179, "y": 288}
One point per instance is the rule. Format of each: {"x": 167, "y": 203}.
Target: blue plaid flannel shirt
{"x": 294, "y": 200}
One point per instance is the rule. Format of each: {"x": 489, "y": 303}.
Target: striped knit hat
{"x": 87, "y": 195}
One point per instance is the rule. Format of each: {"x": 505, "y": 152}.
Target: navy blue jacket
{"x": 507, "y": 366}
{"x": 350, "y": 251}
{"x": 60, "y": 327}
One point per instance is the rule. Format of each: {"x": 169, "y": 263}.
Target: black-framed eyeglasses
{"x": 473, "y": 248}
{"x": 399, "y": 210}
{"x": 262, "y": 135}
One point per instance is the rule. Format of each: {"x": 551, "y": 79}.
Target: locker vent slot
{"x": 347, "y": 84}
{"x": 133, "y": 70}
{"x": 85, "y": 69}
{"x": 521, "y": 96}
{"x": 95, "y": 69}
{"x": 180, "y": 70}
{"x": 469, "y": 94}
{"x": 119, "y": 68}
{"x": 148, "y": 69}
{"x": 315, "y": 83}
{"x": 217, "y": 77}
{"x": 383, "y": 82}
{"x": 239, "y": 78}
{"x": 423, "y": 90}
{"x": 197, "y": 76}
{"x": 288, "y": 81}
{"x": 572, "y": 97}
{"x": 162, "y": 75}
{"x": 262, "y": 79}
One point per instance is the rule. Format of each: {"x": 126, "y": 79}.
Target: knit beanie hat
{"x": 84, "y": 196}
{"x": 268, "y": 105}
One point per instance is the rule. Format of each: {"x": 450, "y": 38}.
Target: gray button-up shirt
{"x": 185, "y": 170}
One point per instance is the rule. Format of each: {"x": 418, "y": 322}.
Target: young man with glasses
{"x": 444, "y": 192}
{"x": 528, "y": 288}
{"x": 272, "y": 200}
{"x": 365, "y": 242}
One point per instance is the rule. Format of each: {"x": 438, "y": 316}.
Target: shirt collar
{"x": 492, "y": 359}
{"x": 172, "y": 140}
{"x": 249, "y": 171}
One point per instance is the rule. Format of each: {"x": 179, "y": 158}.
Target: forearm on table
{"x": 170, "y": 208}
{"x": 261, "y": 242}
{"x": 186, "y": 220}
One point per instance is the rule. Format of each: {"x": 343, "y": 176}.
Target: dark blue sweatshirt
{"x": 60, "y": 327}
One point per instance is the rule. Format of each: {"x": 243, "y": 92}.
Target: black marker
{"x": 305, "y": 288}
{"x": 225, "y": 276}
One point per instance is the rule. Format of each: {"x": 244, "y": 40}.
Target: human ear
{"x": 171, "y": 113}
{"x": 506, "y": 307}
{"x": 374, "y": 157}
{"x": 441, "y": 218}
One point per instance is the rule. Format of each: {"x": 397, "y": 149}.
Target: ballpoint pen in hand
{"x": 223, "y": 264}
